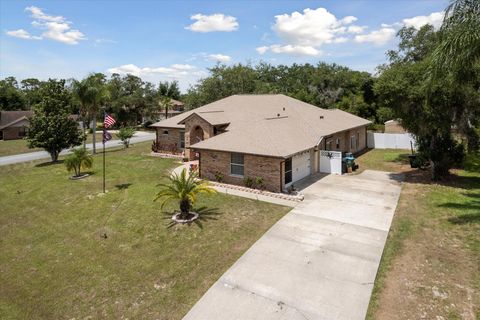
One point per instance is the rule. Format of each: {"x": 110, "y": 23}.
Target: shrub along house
{"x": 273, "y": 137}
{"x": 14, "y": 124}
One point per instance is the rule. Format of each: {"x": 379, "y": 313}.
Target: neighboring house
{"x": 175, "y": 109}
{"x": 394, "y": 126}
{"x": 14, "y": 124}
{"x": 274, "y": 137}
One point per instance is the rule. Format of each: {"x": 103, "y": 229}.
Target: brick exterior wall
{"x": 191, "y": 124}
{"x": 344, "y": 137}
{"x": 267, "y": 168}
{"x": 172, "y": 138}
{"x": 12, "y": 133}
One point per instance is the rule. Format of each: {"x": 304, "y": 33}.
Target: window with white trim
{"x": 237, "y": 164}
{"x": 165, "y": 132}
{"x": 358, "y": 140}
{"x": 353, "y": 142}
{"x": 337, "y": 144}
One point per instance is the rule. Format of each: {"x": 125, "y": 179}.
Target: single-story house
{"x": 272, "y": 136}
{"x": 394, "y": 126}
{"x": 14, "y": 124}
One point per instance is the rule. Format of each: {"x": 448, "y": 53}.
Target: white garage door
{"x": 300, "y": 166}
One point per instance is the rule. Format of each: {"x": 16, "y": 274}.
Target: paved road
{"x": 139, "y": 136}
{"x": 318, "y": 262}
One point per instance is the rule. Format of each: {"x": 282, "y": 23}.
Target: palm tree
{"x": 166, "y": 102}
{"x": 79, "y": 159}
{"x": 459, "y": 49}
{"x": 81, "y": 93}
{"x": 183, "y": 188}
{"x": 98, "y": 94}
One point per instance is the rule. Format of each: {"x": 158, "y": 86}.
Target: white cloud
{"x": 435, "y": 19}
{"x": 305, "y": 32}
{"x": 22, "y": 34}
{"x": 392, "y": 25}
{"x": 175, "y": 71}
{"x": 182, "y": 66}
{"x": 214, "y": 22}
{"x": 219, "y": 57}
{"x": 356, "y": 29}
{"x": 61, "y": 32}
{"x": 290, "y": 49}
{"x": 377, "y": 37}
{"x": 388, "y": 31}
{"x": 349, "y": 19}
{"x": 311, "y": 28}
{"x": 262, "y": 50}
{"x": 56, "y": 28}
{"x": 38, "y": 14}
{"x": 340, "y": 40}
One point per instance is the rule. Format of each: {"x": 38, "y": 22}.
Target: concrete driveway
{"x": 317, "y": 262}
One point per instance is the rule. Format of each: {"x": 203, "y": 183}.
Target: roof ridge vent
{"x": 277, "y": 117}
{"x": 211, "y": 111}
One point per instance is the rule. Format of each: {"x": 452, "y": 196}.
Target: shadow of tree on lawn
{"x": 49, "y": 163}
{"x": 205, "y": 214}
{"x": 123, "y": 186}
{"x": 467, "y": 217}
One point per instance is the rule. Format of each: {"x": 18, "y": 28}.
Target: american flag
{"x": 108, "y": 121}
{"x": 106, "y": 135}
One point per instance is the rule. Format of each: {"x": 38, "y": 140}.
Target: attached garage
{"x": 297, "y": 167}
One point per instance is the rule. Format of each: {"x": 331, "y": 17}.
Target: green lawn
{"x": 54, "y": 264}
{"x": 384, "y": 160}
{"x": 431, "y": 262}
{"x": 11, "y": 147}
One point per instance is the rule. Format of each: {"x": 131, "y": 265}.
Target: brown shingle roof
{"x": 272, "y": 125}
{"x": 9, "y": 118}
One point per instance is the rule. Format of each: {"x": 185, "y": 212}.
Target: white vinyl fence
{"x": 389, "y": 140}
{"x": 330, "y": 162}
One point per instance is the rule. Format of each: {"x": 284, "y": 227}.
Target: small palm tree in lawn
{"x": 78, "y": 160}
{"x": 183, "y": 188}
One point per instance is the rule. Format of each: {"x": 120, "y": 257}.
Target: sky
{"x": 180, "y": 40}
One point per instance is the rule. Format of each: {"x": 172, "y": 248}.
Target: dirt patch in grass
{"x": 434, "y": 273}
{"x": 430, "y": 267}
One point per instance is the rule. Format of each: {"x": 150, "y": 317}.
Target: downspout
{"x": 199, "y": 165}
{"x": 366, "y": 138}
{"x": 281, "y": 175}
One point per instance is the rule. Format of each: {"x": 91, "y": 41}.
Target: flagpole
{"x": 103, "y": 165}
{"x": 103, "y": 142}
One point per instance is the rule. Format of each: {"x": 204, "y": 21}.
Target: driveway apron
{"x": 318, "y": 262}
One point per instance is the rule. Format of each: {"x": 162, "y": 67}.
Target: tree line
{"x": 128, "y": 97}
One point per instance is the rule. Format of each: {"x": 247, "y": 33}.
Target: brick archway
{"x": 197, "y": 134}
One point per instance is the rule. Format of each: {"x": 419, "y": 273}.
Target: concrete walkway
{"x": 318, "y": 262}
{"x": 140, "y": 136}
